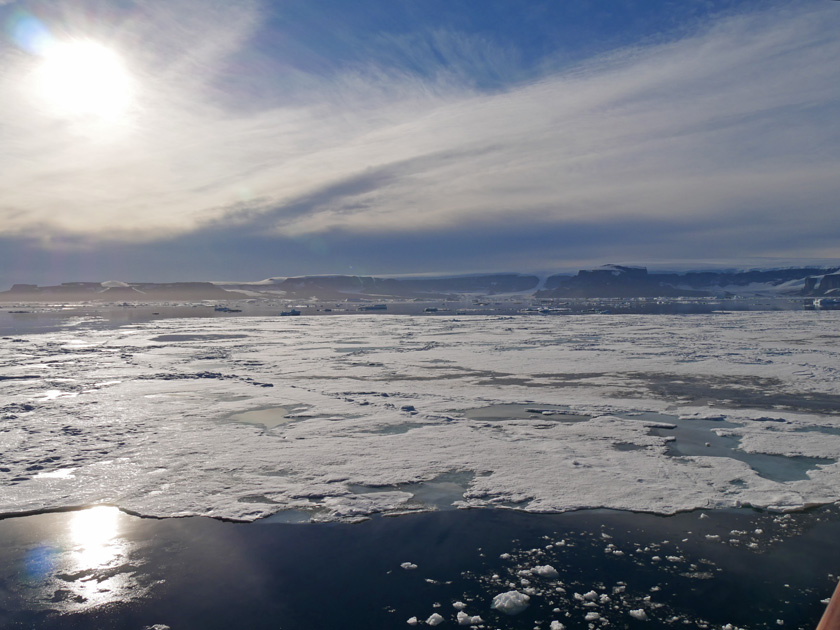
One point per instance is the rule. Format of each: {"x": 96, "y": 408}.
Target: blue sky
{"x": 261, "y": 139}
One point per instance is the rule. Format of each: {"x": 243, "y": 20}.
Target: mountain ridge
{"x": 607, "y": 281}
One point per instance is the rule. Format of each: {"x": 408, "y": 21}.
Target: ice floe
{"x": 511, "y": 602}
{"x": 242, "y": 418}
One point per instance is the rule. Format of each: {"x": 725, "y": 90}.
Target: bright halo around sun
{"x": 83, "y": 78}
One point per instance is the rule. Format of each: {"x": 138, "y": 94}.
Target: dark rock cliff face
{"x": 615, "y": 281}
{"x": 823, "y": 285}
{"x": 830, "y": 284}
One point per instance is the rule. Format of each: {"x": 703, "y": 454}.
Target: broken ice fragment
{"x": 511, "y": 603}
{"x": 465, "y": 620}
{"x": 546, "y": 571}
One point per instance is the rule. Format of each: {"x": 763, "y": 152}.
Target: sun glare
{"x": 85, "y": 78}
{"x": 92, "y": 531}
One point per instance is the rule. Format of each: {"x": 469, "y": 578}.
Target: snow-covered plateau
{"x": 338, "y": 418}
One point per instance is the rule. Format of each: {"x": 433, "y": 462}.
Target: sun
{"x": 83, "y": 78}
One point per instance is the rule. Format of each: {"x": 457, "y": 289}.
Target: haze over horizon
{"x": 216, "y": 141}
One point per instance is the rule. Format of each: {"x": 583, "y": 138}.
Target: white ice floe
{"x": 434, "y": 619}
{"x": 464, "y": 619}
{"x": 145, "y": 415}
{"x": 511, "y": 603}
{"x": 638, "y": 613}
{"x": 408, "y": 566}
{"x": 412, "y": 621}
{"x": 545, "y": 571}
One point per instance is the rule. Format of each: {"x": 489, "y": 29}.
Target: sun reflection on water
{"x": 92, "y": 534}
{"x": 87, "y": 564}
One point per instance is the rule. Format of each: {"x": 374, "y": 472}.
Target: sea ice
{"x": 434, "y": 619}
{"x": 139, "y": 416}
{"x": 466, "y": 620}
{"x": 546, "y": 571}
{"x": 511, "y": 603}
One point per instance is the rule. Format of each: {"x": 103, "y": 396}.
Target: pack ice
{"x": 339, "y": 418}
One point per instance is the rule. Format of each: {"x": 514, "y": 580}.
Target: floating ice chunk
{"x": 466, "y": 620}
{"x": 505, "y": 556}
{"x": 591, "y": 596}
{"x": 546, "y": 571}
{"x": 712, "y": 537}
{"x": 364, "y": 505}
{"x": 412, "y": 621}
{"x": 157, "y": 626}
{"x": 408, "y": 566}
{"x": 511, "y": 603}
{"x": 639, "y": 614}
{"x": 434, "y": 620}
{"x": 556, "y": 625}
{"x": 592, "y": 616}
{"x": 459, "y": 605}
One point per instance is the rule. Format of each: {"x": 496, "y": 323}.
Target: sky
{"x": 163, "y": 140}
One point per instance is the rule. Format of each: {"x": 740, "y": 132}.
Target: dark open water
{"x": 62, "y": 571}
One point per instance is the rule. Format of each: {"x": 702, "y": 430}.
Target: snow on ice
{"x": 380, "y": 414}
{"x": 511, "y": 602}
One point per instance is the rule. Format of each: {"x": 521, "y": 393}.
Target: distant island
{"x": 608, "y": 281}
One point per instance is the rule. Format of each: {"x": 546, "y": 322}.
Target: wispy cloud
{"x": 732, "y": 127}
